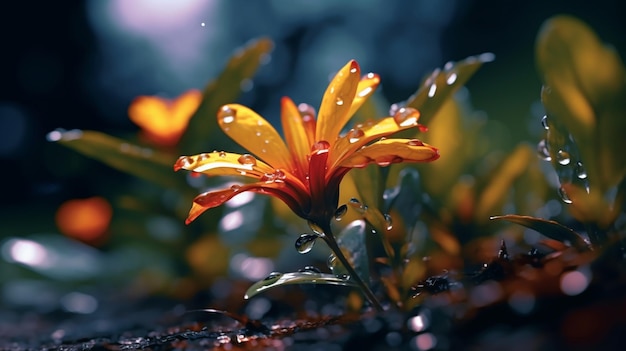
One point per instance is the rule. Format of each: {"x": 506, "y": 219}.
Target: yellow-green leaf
{"x": 203, "y": 129}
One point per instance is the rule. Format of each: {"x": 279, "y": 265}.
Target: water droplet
{"x": 203, "y": 24}
{"x": 580, "y": 170}
{"x": 203, "y": 156}
{"x": 305, "y": 242}
{"x": 183, "y": 162}
{"x": 357, "y": 205}
{"x": 544, "y": 122}
{"x": 273, "y": 275}
{"x": 343, "y": 276}
{"x": 388, "y": 221}
{"x": 394, "y": 108}
{"x": 311, "y": 269}
{"x": 451, "y": 78}
{"x": 563, "y": 157}
{"x": 321, "y": 145}
{"x": 415, "y": 142}
{"x": 432, "y": 90}
{"x": 247, "y": 159}
{"x": 353, "y": 70}
{"x": 406, "y": 116}
{"x": 355, "y": 135}
{"x": 227, "y": 114}
{"x": 542, "y": 150}
{"x": 222, "y": 154}
{"x": 235, "y": 187}
{"x": 564, "y": 197}
{"x": 340, "y": 212}
{"x": 339, "y": 101}
{"x": 316, "y": 229}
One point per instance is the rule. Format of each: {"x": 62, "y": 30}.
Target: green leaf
{"x": 351, "y": 240}
{"x": 280, "y": 279}
{"x": 203, "y": 128}
{"x": 143, "y": 162}
{"x": 441, "y": 84}
{"x": 551, "y": 229}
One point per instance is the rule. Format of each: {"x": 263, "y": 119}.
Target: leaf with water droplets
{"x": 583, "y": 94}
{"x": 308, "y": 277}
{"x": 441, "y": 84}
{"x": 224, "y": 89}
{"x": 551, "y": 229}
{"x": 351, "y": 240}
{"x": 142, "y": 162}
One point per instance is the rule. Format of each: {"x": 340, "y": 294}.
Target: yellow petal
{"x": 336, "y": 103}
{"x": 362, "y": 135}
{"x": 295, "y": 135}
{"x": 255, "y": 134}
{"x": 388, "y": 151}
{"x": 224, "y": 163}
{"x": 367, "y": 86}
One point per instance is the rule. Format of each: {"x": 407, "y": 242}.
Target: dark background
{"x": 51, "y": 57}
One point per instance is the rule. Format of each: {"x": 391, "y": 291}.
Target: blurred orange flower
{"x": 86, "y": 220}
{"x": 163, "y": 121}
{"x": 305, "y": 172}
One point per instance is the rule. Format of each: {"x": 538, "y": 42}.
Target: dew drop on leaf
{"x": 451, "y": 78}
{"x": 432, "y": 90}
{"x": 305, "y": 242}
{"x": 564, "y": 197}
{"x": 563, "y": 157}
{"x": 388, "y": 221}
{"x": 273, "y": 275}
{"x": 340, "y": 212}
{"x": 580, "y": 170}
{"x": 311, "y": 269}
{"x": 542, "y": 150}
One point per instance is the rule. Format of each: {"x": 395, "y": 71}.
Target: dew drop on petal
{"x": 339, "y": 101}
{"x": 222, "y": 154}
{"x": 227, "y": 114}
{"x": 580, "y": 170}
{"x": 247, "y": 159}
{"x": 406, "y": 116}
{"x": 432, "y": 90}
{"x": 564, "y": 197}
{"x": 183, "y": 162}
{"x": 355, "y": 135}
{"x": 203, "y": 156}
{"x": 321, "y": 145}
{"x": 340, "y": 212}
{"x": 563, "y": 157}
{"x": 306, "y": 242}
{"x": 353, "y": 70}
{"x": 544, "y": 122}
{"x": 542, "y": 150}
{"x": 415, "y": 142}
{"x": 235, "y": 187}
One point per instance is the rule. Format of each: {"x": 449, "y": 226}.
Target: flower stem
{"x": 332, "y": 243}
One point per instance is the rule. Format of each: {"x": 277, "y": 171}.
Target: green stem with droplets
{"x": 329, "y": 238}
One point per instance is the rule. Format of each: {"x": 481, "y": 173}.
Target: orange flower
{"x": 86, "y": 220}
{"x": 305, "y": 170}
{"x": 164, "y": 121}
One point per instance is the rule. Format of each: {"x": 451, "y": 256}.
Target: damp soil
{"x": 494, "y": 308}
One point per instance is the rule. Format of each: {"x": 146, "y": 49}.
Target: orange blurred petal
{"x": 163, "y": 120}
{"x": 84, "y": 219}
{"x": 255, "y": 134}
{"x": 336, "y": 103}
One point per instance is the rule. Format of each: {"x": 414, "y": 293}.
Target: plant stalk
{"x": 332, "y": 243}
